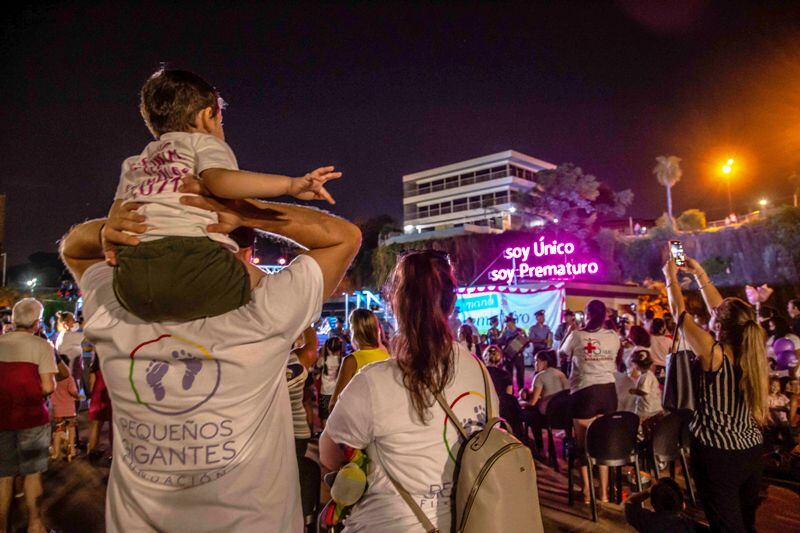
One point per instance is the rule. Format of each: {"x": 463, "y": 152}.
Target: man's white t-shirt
{"x": 155, "y": 175}
{"x": 202, "y": 424}
{"x": 593, "y": 357}
{"x": 374, "y": 412}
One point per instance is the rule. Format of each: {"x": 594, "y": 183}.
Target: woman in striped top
{"x": 732, "y": 403}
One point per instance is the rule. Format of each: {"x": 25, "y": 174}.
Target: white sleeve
{"x": 290, "y": 300}
{"x": 213, "y": 153}
{"x": 351, "y": 421}
{"x": 96, "y": 288}
{"x": 569, "y": 343}
{"x": 47, "y": 362}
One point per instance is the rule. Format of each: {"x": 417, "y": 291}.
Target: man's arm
{"x": 82, "y": 247}
{"x": 48, "y": 383}
{"x": 331, "y": 241}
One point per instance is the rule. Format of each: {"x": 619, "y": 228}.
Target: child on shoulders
{"x": 180, "y": 271}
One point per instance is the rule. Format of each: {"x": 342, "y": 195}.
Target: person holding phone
{"x": 726, "y": 449}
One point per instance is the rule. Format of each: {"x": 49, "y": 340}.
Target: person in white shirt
{"x": 660, "y": 344}
{"x": 389, "y": 410}
{"x": 647, "y": 391}
{"x": 153, "y": 281}
{"x": 201, "y": 420}
{"x": 328, "y": 364}
{"x": 593, "y": 351}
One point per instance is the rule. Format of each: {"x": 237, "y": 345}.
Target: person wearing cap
{"x": 516, "y": 360}
{"x": 540, "y": 334}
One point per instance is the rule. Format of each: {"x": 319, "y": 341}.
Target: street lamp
{"x": 727, "y": 168}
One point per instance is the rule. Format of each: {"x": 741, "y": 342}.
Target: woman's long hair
{"x": 365, "y": 328}
{"x": 422, "y": 292}
{"x": 466, "y": 332}
{"x": 332, "y": 346}
{"x": 739, "y": 329}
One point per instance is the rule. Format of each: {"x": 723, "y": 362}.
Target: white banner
{"x": 481, "y": 306}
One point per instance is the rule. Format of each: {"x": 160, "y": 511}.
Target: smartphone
{"x": 579, "y": 316}
{"x": 676, "y": 249}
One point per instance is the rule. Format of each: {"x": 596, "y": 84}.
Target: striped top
{"x": 296, "y": 376}
{"x": 723, "y": 419}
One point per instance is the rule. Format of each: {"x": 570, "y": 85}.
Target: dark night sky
{"x": 381, "y": 90}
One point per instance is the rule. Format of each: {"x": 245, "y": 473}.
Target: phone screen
{"x": 676, "y": 249}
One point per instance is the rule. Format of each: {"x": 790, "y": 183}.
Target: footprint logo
{"x": 154, "y": 376}
{"x": 175, "y": 376}
{"x": 193, "y": 366}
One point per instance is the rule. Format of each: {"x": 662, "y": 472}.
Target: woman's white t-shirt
{"x": 328, "y": 378}
{"x": 374, "y": 412}
{"x": 593, "y": 357}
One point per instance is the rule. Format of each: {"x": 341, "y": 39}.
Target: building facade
{"x": 482, "y": 194}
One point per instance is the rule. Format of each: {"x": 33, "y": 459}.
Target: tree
{"x": 692, "y": 220}
{"x": 361, "y": 272}
{"x": 794, "y": 180}
{"x": 576, "y": 199}
{"x": 668, "y": 172}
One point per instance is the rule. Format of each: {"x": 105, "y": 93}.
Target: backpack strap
{"x": 418, "y": 512}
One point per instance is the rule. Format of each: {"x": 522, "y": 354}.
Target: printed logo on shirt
{"x": 474, "y": 421}
{"x": 160, "y": 172}
{"x": 173, "y": 376}
{"x": 593, "y": 351}
{"x": 179, "y": 378}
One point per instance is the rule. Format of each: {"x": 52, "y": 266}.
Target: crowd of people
{"x": 219, "y": 382}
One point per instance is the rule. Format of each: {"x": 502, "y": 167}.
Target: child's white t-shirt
{"x": 155, "y": 175}
{"x": 649, "y": 405}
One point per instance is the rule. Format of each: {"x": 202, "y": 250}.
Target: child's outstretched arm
{"x": 241, "y": 184}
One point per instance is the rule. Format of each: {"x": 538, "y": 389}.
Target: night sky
{"x": 385, "y": 90}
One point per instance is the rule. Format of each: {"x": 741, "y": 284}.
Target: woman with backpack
{"x": 726, "y": 450}
{"x": 390, "y": 408}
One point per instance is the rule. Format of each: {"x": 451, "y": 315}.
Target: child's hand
{"x": 311, "y": 186}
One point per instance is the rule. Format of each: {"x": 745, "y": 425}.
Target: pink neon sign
{"x": 558, "y": 262}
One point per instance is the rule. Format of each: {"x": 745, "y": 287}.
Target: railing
{"x": 461, "y": 181}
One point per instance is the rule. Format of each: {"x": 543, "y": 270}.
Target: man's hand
{"x": 311, "y": 186}
{"x": 121, "y": 218}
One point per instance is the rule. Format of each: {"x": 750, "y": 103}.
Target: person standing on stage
{"x": 514, "y": 358}
{"x": 540, "y": 334}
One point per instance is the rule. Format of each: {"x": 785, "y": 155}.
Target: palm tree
{"x": 668, "y": 171}
{"x": 794, "y": 179}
